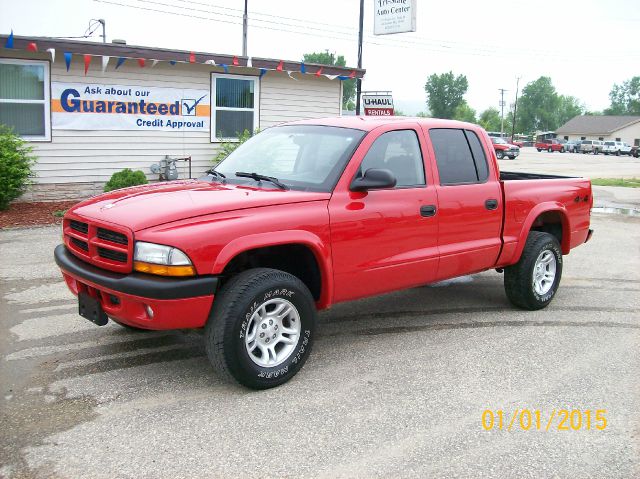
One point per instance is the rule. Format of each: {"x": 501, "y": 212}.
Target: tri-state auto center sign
{"x": 394, "y": 16}
{"x": 93, "y": 106}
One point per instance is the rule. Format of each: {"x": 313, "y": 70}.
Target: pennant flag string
{"x": 120, "y": 61}
{"x": 235, "y": 61}
{"x": 141, "y": 62}
{"x": 192, "y": 57}
{"x": 263, "y": 72}
{"x": 289, "y": 73}
{"x": 280, "y": 66}
{"x": 249, "y": 63}
{"x": 319, "y": 72}
{"x": 105, "y": 62}
{"x": 67, "y": 59}
{"x": 87, "y": 62}
{"x": 53, "y": 54}
{"x": 172, "y": 62}
{"x": 9, "y": 42}
{"x": 154, "y": 63}
{"x": 210, "y": 62}
{"x": 226, "y": 68}
{"x": 303, "y": 69}
{"x": 32, "y": 47}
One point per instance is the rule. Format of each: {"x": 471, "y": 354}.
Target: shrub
{"x": 124, "y": 179}
{"x": 227, "y": 147}
{"x": 15, "y": 166}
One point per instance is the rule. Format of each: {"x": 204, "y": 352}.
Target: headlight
{"x": 162, "y": 260}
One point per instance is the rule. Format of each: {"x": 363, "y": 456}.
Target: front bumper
{"x": 174, "y": 303}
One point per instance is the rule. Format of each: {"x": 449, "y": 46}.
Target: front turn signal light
{"x": 163, "y": 270}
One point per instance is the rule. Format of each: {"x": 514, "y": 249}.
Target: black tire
{"x": 539, "y": 149}
{"x": 231, "y": 313}
{"x": 549, "y": 150}
{"x": 500, "y": 154}
{"x": 519, "y": 278}
{"x": 617, "y": 152}
{"x": 562, "y": 150}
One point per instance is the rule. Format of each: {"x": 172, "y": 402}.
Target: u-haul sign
{"x": 377, "y": 105}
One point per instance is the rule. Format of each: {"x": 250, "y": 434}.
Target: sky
{"x": 585, "y": 46}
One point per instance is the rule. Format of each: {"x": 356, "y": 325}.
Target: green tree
{"x": 422, "y": 114}
{"x": 445, "y": 93}
{"x": 625, "y": 98}
{"x": 348, "y": 86}
{"x": 490, "y": 119}
{"x": 465, "y": 113}
{"x": 568, "y": 108}
{"x": 538, "y": 106}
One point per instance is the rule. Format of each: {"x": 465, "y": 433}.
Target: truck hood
{"x": 142, "y": 207}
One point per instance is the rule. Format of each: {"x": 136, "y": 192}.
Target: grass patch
{"x": 628, "y": 182}
{"x": 59, "y": 213}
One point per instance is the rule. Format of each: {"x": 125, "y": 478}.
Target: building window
{"x": 583, "y": 137}
{"x": 24, "y": 98}
{"x": 601, "y": 138}
{"x": 234, "y": 106}
{"x": 566, "y": 138}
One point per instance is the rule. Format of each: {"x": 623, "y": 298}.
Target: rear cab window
{"x": 460, "y": 157}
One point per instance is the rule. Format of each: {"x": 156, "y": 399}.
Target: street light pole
{"x": 359, "y": 80}
{"x": 104, "y": 33}
{"x": 245, "y": 27}
{"x": 515, "y": 109}
{"x": 502, "y": 90}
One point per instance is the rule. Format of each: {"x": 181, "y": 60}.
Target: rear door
{"x": 470, "y": 202}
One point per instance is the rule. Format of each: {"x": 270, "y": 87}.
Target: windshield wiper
{"x": 213, "y": 172}
{"x": 259, "y": 177}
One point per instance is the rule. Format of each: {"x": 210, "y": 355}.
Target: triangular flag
{"x": 226, "y": 68}
{"x": 141, "y": 62}
{"x": 280, "y": 66}
{"x": 192, "y": 57}
{"x": 105, "y": 62}
{"x": 341, "y": 77}
{"x": 210, "y": 62}
{"x": 173, "y": 62}
{"x": 331, "y": 77}
{"x": 289, "y": 73}
{"x": 303, "y": 69}
{"x": 154, "y": 63}
{"x": 263, "y": 72}
{"x": 235, "y": 61}
{"x": 87, "y": 62}
{"x": 319, "y": 72}
{"x": 53, "y": 54}
{"x": 353, "y": 74}
{"x": 120, "y": 61}
{"x": 9, "y": 42}
{"x": 67, "y": 59}
{"x": 249, "y": 63}
{"x": 32, "y": 47}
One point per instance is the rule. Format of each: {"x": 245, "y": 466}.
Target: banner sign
{"x": 394, "y": 16}
{"x": 91, "y": 106}
{"x": 377, "y": 105}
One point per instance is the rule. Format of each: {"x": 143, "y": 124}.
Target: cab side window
{"x": 459, "y": 156}
{"x": 399, "y": 152}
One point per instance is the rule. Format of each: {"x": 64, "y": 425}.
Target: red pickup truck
{"x": 309, "y": 214}
{"x": 550, "y": 146}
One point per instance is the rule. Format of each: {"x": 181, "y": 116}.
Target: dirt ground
{"x": 33, "y": 214}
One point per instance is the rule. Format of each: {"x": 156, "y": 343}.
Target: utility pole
{"x": 501, "y": 90}
{"x": 359, "y": 80}
{"x": 515, "y": 109}
{"x": 245, "y": 27}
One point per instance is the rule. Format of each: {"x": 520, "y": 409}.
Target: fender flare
{"x": 533, "y": 215}
{"x": 319, "y": 249}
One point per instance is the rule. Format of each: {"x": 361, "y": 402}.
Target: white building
{"x": 133, "y": 106}
{"x": 602, "y": 127}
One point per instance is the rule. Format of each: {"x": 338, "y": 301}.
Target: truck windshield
{"x": 303, "y": 157}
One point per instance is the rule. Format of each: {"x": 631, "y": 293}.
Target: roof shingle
{"x": 596, "y": 124}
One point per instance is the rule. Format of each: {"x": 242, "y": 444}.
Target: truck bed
{"x": 512, "y": 175}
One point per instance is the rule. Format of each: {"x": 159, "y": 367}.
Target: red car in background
{"x": 503, "y": 148}
{"x": 550, "y": 146}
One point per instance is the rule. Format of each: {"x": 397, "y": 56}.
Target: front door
{"x": 384, "y": 240}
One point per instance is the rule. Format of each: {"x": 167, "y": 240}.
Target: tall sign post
{"x": 389, "y": 17}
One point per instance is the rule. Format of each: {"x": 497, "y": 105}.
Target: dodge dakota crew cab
{"x": 309, "y": 214}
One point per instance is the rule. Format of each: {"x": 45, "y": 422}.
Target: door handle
{"x": 491, "y": 204}
{"x": 428, "y": 210}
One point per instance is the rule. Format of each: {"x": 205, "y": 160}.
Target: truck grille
{"x": 103, "y": 245}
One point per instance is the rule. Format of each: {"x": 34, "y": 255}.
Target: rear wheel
{"x": 261, "y": 328}
{"x": 539, "y": 149}
{"x": 532, "y": 282}
{"x": 562, "y": 150}
{"x": 550, "y": 150}
{"x": 617, "y": 152}
{"x": 500, "y": 154}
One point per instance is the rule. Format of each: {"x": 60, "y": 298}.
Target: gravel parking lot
{"x": 396, "y": 385}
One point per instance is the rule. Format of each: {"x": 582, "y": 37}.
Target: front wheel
{"x": 500, "y": 154}
{"x": 562, "y": 150}
{"x": 261, "y": 328}
{"x": 549, "y": 150}
{"x": 539, "y": 149}
{"x": 532, "y": 282}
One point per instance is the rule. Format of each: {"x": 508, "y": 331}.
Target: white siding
{"x": 93, "y": 156}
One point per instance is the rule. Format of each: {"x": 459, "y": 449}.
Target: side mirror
{"x": 374, "y": 179}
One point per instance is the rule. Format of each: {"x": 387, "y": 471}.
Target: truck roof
{"x": 368, "y": 123}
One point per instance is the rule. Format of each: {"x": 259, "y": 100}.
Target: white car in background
{"x": 616, "y": 148}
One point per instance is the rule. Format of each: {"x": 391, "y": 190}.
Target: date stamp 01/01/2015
{"x": 536, "y": 420}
